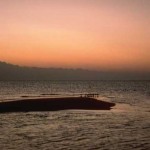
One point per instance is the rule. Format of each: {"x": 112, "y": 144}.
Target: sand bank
{"x": 54, "y": 104}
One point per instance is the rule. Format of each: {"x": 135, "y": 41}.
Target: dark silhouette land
{"x": 54, "y": 104}
{"x": 13, "y": 72}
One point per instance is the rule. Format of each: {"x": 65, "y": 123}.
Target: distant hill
{"x": 14, "y": 72}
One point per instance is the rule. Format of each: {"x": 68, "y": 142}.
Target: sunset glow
{"x": 90, "y": 34}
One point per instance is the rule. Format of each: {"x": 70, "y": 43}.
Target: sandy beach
{"x": 54, "y": 104}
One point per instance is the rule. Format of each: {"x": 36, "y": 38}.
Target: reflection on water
{"x": 75, "y": 129}
{"x": 127, "y": 126}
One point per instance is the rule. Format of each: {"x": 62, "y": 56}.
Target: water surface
{"x": 127, "y": 126}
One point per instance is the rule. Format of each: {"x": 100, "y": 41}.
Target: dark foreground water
{"x": 125, "y": 127}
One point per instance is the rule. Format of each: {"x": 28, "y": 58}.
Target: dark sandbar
{"x": 54, "y": 104}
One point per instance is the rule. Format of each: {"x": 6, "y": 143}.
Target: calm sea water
{"x": 125, "y": 127}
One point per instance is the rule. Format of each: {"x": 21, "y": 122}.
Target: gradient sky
{"x": 91, "y": 34}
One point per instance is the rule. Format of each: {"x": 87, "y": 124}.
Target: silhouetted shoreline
{"x": 54, "y": 104}
{"x": 10, "y": 72}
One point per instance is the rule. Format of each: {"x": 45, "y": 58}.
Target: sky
{"x": 89, "y": 34}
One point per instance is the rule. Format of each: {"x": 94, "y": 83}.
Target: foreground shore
{"x": 54, "y": 104}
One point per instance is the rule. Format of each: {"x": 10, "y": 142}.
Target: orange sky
{"x": 91, "y": 34}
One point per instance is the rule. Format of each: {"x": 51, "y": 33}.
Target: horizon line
{"x": 82, "y": 69}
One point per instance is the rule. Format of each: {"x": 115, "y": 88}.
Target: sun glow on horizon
{"x": 91, "y": 34}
